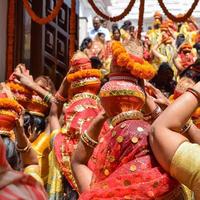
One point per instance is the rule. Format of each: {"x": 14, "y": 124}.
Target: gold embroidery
{"x": 120, "y": 139}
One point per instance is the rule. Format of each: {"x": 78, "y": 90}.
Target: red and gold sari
{"x": 126, "y": 168}
{"x": 79, "y": 113}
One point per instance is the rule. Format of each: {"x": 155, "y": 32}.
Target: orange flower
{"x": 137, "y": 66}
{"x": 84, "y": 74}
{"x": 123, "y": 59}
{"x": 11, "y": 104}
{"x": 15, "y": 87}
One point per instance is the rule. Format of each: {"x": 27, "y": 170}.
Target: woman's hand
{"x": 157, "y": 96}
{"x": 24, "y": 79}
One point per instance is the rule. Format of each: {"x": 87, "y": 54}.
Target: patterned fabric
{"x": 126, "y": 168}
{"x": 79, "y": 114}
{"x": 17, "y": 185}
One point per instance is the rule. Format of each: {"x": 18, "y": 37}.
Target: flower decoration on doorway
{"x": 46, "y": 19}
{"x": 10, "y": 38}
{"x": 116, "y": 18}
{"x": 180, "y": 18}
{"x": 141, "y": 13}
{"x": 72, "y": 25}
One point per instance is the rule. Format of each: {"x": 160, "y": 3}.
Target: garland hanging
{"x": 44, "y": 20}
{"x": 116, "y": 18}
{"x": 178, "y": 19}
{"x": 141, "y": 18}
{"x": 72, "y": 28}
{"x": 10, "y": 38}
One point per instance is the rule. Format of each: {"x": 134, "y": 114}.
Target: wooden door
{"x": 45, "y": 48}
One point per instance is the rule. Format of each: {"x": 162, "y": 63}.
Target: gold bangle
{"x": 153, "y": 115}
{"x": 85, "y": 138}
{"x": 23, "y": 150}
{"x": 186, "y": 127}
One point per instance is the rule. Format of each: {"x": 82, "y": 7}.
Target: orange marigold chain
{"x": 44, "y": 20}
{"x": 137, "y": 66}
{"x": 10, "y": 38}
{"x": 178, "y": 19}
{"x": 141, "y": 18}
{"x": 115, "y": 18}
{"x": 84, "y": 74}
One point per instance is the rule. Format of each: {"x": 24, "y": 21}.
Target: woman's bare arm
{"x": 28, "y": 157}
{"x": 157, "y": 54}
{"x": 83, "y": 153}
{"x": 163, "y": 139}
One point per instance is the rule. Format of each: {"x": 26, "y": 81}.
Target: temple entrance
{"x": 44, "y": 48}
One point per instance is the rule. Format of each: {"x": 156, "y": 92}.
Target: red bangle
{"x": 60, "y": 98}
{"x": 195, "y": 93}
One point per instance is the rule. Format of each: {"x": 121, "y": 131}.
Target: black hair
{"x": 193, "y": 71}
{"x": 179, "y": 40}
{"x": 12, "y": 155}
{"x": 126, "y": 25}
{"x": 85, "y": 43}
{"x": 197, "y": 46}
{"x": 100, "y": 34}
{"x": 96, "y": 62}
{"x": 35, "y": 123}
{"x": 164, "y": 79}
{"x": 131, "y": 28}
{"x": 115, "y": 26}
{"x": 165, "y": 66}
{"x": 115, "y": 29}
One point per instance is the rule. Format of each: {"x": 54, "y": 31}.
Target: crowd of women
{"x": 124, "y": 123}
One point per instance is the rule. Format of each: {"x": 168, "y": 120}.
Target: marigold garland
{"x": 44, "y": 20}
{"x": 10, "y": 38}
{"x": 8, "y": 113}
{"x": 137, "y": 66}
{"x": 115, "y": 18}
{"x": 141, "y": 18}
{"x": 84, "y": 74}
{"x": 15, "y": 87}
{"x": 6, "y": 103}
{"x": 179, "y": 18}
{"x": 72, "y": 28}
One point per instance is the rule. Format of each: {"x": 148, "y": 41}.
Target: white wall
{"x": 3, "y": 38}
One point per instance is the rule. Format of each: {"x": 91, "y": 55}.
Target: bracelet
{"x": 186, "y": 127}
{"x": 85, "y": 138}
{"x": 153, "y": 115}
{"x": 23, "y": 150}
{"x": 47, "y": 98}
{"x": 194, "y": 92}
{"x": 60, "y": 97}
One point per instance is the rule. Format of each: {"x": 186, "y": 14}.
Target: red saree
{"x": 78, "y": 115}
{"x": 126, "y": 168}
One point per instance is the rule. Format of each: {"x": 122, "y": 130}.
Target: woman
{"x": 173, "y": 150}
{"x": 185, "y": 57}
{"x": 164, "y": 50}
{"x": 80, "y": 110}
{"x": 13, "y": 184}
{"x": 86, "y": 46}
{"x": 125, "y": 167}
{"x": 116, "y": 34}
{"x": 188, "y": 78}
